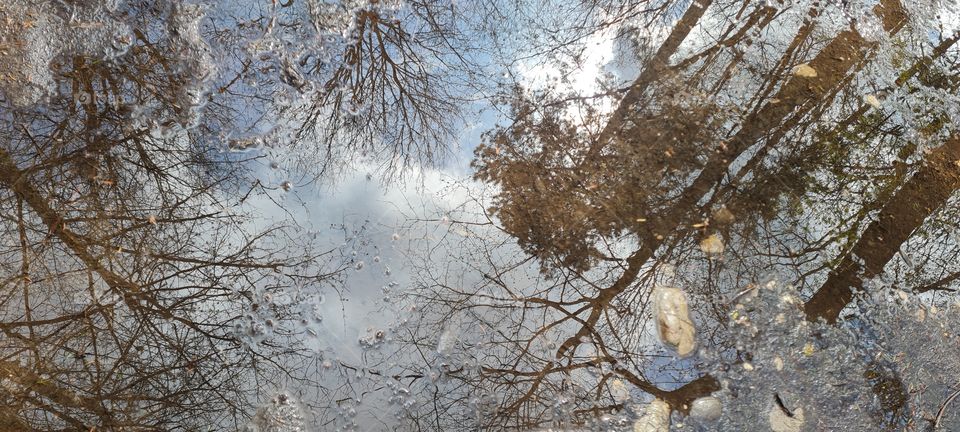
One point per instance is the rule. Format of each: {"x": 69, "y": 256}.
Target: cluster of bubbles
{"x": 309, "y": 317}
{"x": 301, "y": 61}
{"x": 246, "y": 144}
{"x": 33, "y": 34}
{"x": 784, "y": 373}
{"x": 36, "y": 35}
{"x": 611, "y": 423}
{"x": 346, "y": 416}
{"x": 373, "y": 339}
{"x": 258, "y": 323}
{"x": 401, "y": 398}
{"x": 790, "y": 374}
{"x": 482, "y": 405}
{"x": 192, "y": 59}
{"x": 339, "y": 18}
{"x": 282, "y": 413}
{"x": 561, "y": 410}
{"x": 388, "y": 289}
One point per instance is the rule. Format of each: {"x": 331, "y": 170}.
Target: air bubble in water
{"x": 373, "y": 339}
{"x": 84, "y": 98}
{"x": 352, "y": 108}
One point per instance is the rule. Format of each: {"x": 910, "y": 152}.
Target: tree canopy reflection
{"x": 746, "y": 221}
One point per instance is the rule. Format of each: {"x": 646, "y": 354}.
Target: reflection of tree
{"x": 137, "y": 294}
{"x": 127, "y": 261}
{"x": 384, "y": 80}
{"x": 746, "y": 137}
{"x": 389, "y": 80}
{"x": 387, "y": 88}
{"x": 919, "y": 197}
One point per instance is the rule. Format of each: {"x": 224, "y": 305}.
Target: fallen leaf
{"x": 804, "y": 70}
{"x": 712, "y": 245}
{"x": 723, "y": 216}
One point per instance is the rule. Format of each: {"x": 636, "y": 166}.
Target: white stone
{"x": 707, "y": 408}
{"x": 675, "y": 328}
{"x": 656, "y": 418}
{"x": 781, "y": 422}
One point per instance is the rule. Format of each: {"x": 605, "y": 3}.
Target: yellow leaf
{"x": 712, "y": 245}
{"x": 724, "y": 216}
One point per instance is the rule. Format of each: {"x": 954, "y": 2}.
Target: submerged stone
{"x": 675, "y": 328}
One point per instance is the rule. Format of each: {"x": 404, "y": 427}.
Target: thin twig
{"x": 953, "y": 396}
